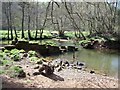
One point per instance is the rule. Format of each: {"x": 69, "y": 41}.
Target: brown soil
{"x": 66, "y": 78}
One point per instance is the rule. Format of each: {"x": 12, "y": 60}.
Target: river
{"x": 100, "y": 61}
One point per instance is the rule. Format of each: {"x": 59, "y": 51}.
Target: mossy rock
{"x": 32, "y": 53}
{"x": 9, "y": 47}
{"x": 17, "y": 71}
{"x": 33, "y": 58}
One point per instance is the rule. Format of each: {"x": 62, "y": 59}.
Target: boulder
{"x": 72, "y": 48}
{"x": 53, "y": 49}
{"x": 25, "y": 55}
{"x": 66, "y": 63}
{"x": 2, "y": 48}
{"x": 92, "y": 71}
{"x": 80, "y": 64}
{"x": 43, "y": 50}
{"x": 39, "y": 62}
{"x": 22, "y": 45}
{"x": 37, "y": 67}
{"x": 9, "y": 47}
{"x": 59, "y": 68}
{"x": 34, "y": 46}
{"x": 22, "y": 74}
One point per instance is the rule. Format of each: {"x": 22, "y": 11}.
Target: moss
{"x": 14, "y": 51}
{"x": 5, "y": 62}
{"x": 15, "y": 71}
{"x": 15, "y": 54}
{"x": 39, "y": 61}
{"x": 33, "y": 58}
{"x": 22, "y": 51}
{"x": 32, "y": 53}
{"x": 6, "y": 51}
{"x": 52, "y": 43}
{"x": 2, "y": 71}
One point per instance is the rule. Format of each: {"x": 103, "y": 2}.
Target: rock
{"x": 79, "y": 68}
{"x": 60, "y": 63}
{"x": 39, "y": 62}
{"x": 22, "y": 74}
{"x": 56, "y": 65}
{"x": 22, "y": 45}
{"x": 57, "y": 62}
{"x": 36, "y": 67}
{"x": 2, "y": 48}
{"x": 9, "y": 47}
{"x": 53, "y": 49}
{"x": 28, "y": 74}
{"x": 13, "y": 42}
{"x": 43, "y": 50}
{"x": 81, "y": 64}
{"x": 92, "y": 71}
{"x": 59, "y": 68}
{"x": 72, "y": 48}
{"x": 25, "y": 55}
{"x": 66, "y": 63}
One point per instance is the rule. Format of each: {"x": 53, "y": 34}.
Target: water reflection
{"x": 102, "y": 62}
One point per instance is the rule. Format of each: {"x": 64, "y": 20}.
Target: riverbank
{"x": 67, "y": 78}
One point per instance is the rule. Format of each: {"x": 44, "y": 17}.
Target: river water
{"x": 100, "y": 61}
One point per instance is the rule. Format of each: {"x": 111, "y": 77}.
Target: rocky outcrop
{"x": 41, "y": 49}
{"x": 95, "y": 44}
{"x": 9, "y": 47}
{"x": 72, "y": 48}
{"x": 53, "y": 49}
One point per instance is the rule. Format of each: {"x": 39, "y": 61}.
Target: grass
{"x": 46, "y": 34}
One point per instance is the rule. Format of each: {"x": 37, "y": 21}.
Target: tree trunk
{"x": 23, "y": 21}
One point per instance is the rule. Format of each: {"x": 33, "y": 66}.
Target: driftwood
{"x": 47, "y": 68}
